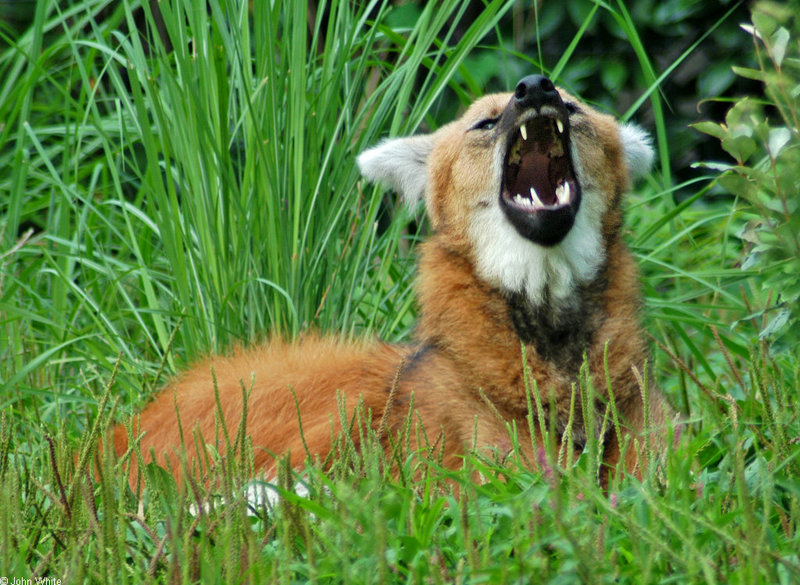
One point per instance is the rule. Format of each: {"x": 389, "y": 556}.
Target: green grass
{"x": 159, "y": 200}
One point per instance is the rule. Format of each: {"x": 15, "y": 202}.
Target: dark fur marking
{"x": 560, "y": 334}
{"x": 416, "y": 358}
{"x": 407, "y": 366}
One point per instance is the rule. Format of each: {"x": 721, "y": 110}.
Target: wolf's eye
{"x": 572, "y": 108}
{"x": 486, "y": 124}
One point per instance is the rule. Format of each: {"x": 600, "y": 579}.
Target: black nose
{"x": 535, "y": 91}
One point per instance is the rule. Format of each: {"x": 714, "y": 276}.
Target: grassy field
{"x": 174, "y": 184}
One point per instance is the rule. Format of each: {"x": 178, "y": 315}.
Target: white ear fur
{"x": 400, "y": 163}
{"x": 638, "y": 149}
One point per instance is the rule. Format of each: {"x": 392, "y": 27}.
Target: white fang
{"x": 559, "y": 126}
{"x": 535, "y": 198}
{"x": 524, "y": 131}
{"x": 563, "y": 193}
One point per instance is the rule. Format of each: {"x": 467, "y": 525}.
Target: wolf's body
{"x": 523, "y": 193}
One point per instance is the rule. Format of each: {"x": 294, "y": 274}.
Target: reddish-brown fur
{"x": 465, "y": 370}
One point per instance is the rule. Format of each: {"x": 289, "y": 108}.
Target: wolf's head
{"x": 528, "y": 184}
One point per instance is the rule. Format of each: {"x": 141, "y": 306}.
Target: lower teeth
{"x": 563, "y": 193}
{"x": 532, "y": 201}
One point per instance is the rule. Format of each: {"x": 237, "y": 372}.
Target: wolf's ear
{"x": 399, "y": 163}
{"x": 638, "y": 149}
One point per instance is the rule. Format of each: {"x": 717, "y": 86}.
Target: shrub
{"x": 763, "y": 136}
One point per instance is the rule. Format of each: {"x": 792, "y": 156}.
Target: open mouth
{"x": 540, "y": 194}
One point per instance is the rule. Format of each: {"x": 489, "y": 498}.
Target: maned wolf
{"x": 525, "y": 278}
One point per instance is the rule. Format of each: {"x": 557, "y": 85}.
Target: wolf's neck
{"x": 477, "y": 323}
{"x": 559, "y": 332}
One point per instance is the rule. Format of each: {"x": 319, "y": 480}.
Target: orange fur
{"x": 465, "y": 371}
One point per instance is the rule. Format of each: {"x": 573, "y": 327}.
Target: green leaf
{"x": 740, "y": 147}
{"x": 780, "y": 40}
{"x": 712, "y": 128}
{"x": 776, "y": 324}
{"x": 750, "y": 29}
{"x": 752, "y": 260}
{"x": 778, "y": 138}
{"x": 718, "y": 167}
{"x": 749, "y": 233}
{"x": 749, "y": 73}
{"x": 764, "y": 23}
{"x": 738, "y": 184}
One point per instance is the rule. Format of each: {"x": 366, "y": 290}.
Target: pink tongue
{"x": 533, "y": 172}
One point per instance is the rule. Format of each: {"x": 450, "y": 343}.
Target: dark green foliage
{"x": 762, "y": 134}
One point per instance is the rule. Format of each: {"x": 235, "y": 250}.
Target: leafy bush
{"x": 763, "y": 136}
